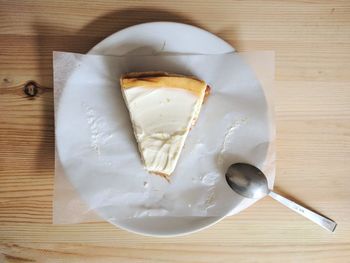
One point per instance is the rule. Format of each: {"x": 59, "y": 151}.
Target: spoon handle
{"x": 317, "y": 218}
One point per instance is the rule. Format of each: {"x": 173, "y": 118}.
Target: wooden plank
{"x": 312, "y": 100}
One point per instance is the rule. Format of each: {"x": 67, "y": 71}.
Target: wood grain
{"x": 312, "y": 97}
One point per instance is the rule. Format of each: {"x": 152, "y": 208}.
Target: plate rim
{"x": 164, "y": 23}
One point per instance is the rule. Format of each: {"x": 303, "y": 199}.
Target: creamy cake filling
{"x": 162, "y": 118}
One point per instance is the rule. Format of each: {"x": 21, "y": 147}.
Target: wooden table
{"x": 312, "y": 44}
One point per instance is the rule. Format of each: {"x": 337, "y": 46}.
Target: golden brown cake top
{"x": 162, "y": 79}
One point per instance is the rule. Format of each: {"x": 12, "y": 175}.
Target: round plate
{"x": 172, "y": 38}
{"x": 155, "y": 38}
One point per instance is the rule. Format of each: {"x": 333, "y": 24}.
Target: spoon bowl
{"x": 247, "y": 180}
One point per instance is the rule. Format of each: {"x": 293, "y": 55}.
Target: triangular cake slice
{"x": 162, "y": 108}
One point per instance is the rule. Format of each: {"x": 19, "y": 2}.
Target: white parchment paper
{"x": 97, "y": 158}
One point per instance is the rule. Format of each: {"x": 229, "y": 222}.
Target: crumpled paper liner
{"x": 68, "y": 204}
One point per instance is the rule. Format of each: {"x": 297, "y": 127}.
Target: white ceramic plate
{"x": 151, "y": 38}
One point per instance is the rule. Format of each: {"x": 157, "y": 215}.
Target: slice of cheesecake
{"x": 162, "y": 108}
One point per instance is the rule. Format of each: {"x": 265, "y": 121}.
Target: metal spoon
{"x": 250, "y": 182}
